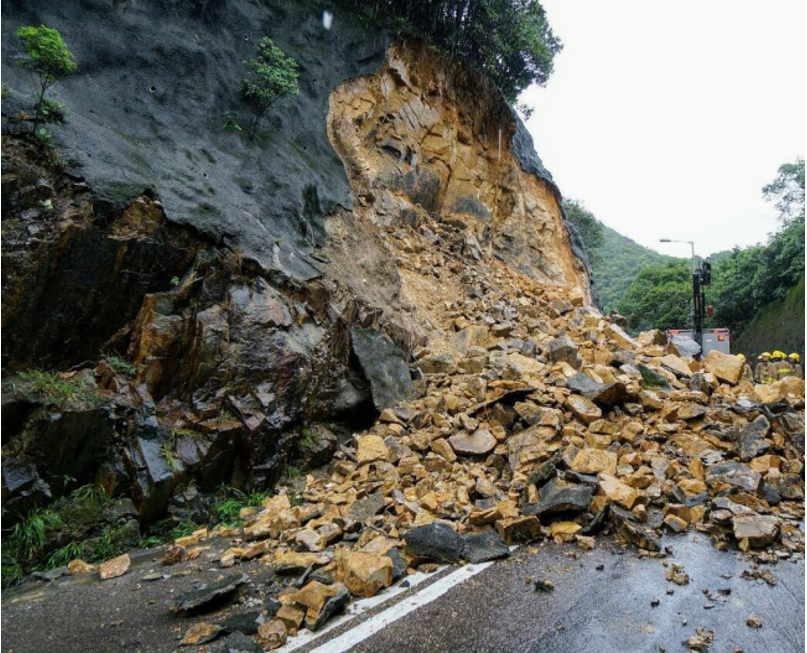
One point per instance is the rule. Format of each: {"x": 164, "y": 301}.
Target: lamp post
{"x": 700, "y": 278}
{"x": 691, "y": 243}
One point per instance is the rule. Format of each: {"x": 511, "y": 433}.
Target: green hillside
{"x": 617, "y": 263}
{"x": 779, "y": 325}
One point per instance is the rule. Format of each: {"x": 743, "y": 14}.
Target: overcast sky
{"x": 667, "y": 118}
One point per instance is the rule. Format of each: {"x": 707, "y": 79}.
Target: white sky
{"x": 666, "y": 118}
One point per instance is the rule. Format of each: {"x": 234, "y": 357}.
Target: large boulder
{"x": 603, "y": 394}
{"x": 481, "y": 547}
{"x": 725, "y": 367}
{"x": 751, "y": 441}
{"x": 435, "y": 541}
{"x": 563, "y": 350}
{"x": 384, "y": 366}
{"x": 684, "y": 346}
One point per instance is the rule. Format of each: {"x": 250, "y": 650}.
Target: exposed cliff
{"x": 250, "y": 289}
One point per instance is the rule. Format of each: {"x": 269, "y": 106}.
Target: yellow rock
{"x": 272, "y": 634}
{"x": 594, "y": 461}
{"x": 78, "y": 567}
{"x": 564, "y": 531}
{"x": 725, "y": 367}
{"x": 618, "y": 492}
{"x": 370, "y": 448}
{"x": 200, "y": 633}
{"x": 364, "y": 574}
{"x": 583, "y": 409}
{"x": 115, "y": 567}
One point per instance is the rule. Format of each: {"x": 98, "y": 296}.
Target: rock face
{"x": 419, "y": 139}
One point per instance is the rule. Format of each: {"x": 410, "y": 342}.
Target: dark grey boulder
{"x": 557, "y": 496}
{"x": 367, "y": 507}
{"x": 751, "y": 441}
{"x": 333, "y": 605}
{"x": 384, "y": 366}
{"x": 434, "y": 542}
{"x": 684, "y": 346}
{"x": 243, "y": 622}
{"x": 481, "y": 547}
{"x": 546, "y": 470}
{"x": 398, "y": 563}
{"x": 735, "y": 474}
{"x": 207, "y": 596}
{"x": 603, "y": 394}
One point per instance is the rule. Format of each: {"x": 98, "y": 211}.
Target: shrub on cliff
{"x": 508, "y": 40}
{"x": 48, "y": 57}
{"x": 272, "y": 76}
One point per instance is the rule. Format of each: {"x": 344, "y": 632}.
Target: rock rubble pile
{"x": 532, "y": 416}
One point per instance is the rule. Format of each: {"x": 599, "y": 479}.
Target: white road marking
{"x": 370, "y": 627}
{"x": 357, "y": 608}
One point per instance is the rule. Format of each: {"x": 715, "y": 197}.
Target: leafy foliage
{"x": 48, "y": 57}
{"x": 230, "y": 501}
{"x": 744, "y": 281}
{"x": 747, "y": 279}
{"x": 590, "y": 229}
{"x": 508, "y": 40}
{"x": 787, "y": 190}
{"x": 272, "y": 76}
{"x": 52, "y": 537}
{"x": 54, "y": 389}
{"x": 659, "y": 298}
{"x": 120, "y": 365}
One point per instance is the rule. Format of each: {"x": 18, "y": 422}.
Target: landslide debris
{"x": 522, "y": 449}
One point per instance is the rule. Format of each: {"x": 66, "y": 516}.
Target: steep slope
{"x": 617, "y": 263}
{"x": 779, "y": 325}
{"x": 194, "y": 302}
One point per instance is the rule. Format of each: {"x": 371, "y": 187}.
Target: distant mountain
{"x": 617, "y": 262}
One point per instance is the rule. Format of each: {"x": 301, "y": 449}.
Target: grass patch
{"x": 53, "y": 389}
{"x": 121, "y": 365}
{"x": 229, "y": 503}
{"x": 52, "y": 537}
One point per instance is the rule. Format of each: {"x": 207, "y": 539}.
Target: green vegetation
{"x": 787, "y": 190}
{"x": 230, "y": 501}
{"x": 293, "y": 472}
{"x": 778, "y": 325}
{"x": 589, "y": 228}
{"x": 52, "y": 537}
{"x": 659, "y": 298}
{"x": 272, "y": 75}
{"x": 53, "y": 389}
{"x": 48, "y": 57}
{"x": 654, "y": 291}
{"x": 120, "y": 365}
{"x": 508, "y": 40}
{"x": 167, "y": 452}
{"x": 616, "y": 260}
{"x": 167, "y": 530}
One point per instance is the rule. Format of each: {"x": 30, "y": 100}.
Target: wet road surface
{"x": 606, "y": 610}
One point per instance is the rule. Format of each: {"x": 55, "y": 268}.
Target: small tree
{"x": 47, "y": 55}
{"x": 272, "y": 76}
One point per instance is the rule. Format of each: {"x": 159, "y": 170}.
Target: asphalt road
{"x": 606, "y": 610}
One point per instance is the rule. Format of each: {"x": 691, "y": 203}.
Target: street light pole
{"x": 698, "y": 297}
{"x": 691, "y": 243}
